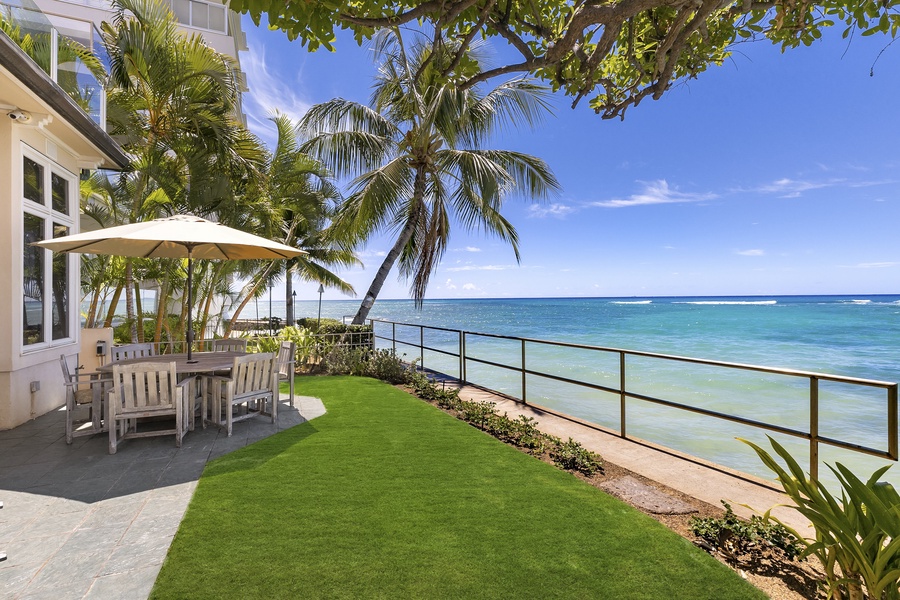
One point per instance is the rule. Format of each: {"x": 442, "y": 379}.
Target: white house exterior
{"x": 219, "y": 26}
{"x": 46, "y": 141}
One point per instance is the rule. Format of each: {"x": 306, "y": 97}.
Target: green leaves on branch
{"x": 620, "y": 51}
{"x": 857, "y": 536}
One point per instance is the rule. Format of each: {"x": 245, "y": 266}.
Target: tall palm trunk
{"x": 129, "y": 299}
{"x": 162, "y": 305}
{"x": 91, "y": 320}
{"x": 250, "y": 294}
{"x": 139, "y": 312}
{"x": 408, "y": 230}
{"x": 111, "y": 311}
{"x": 289, "y": 294}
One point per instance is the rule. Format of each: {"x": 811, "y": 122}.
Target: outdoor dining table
{"x": 200, "y": 363}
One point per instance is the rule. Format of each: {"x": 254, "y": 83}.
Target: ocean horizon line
{"x": 638, "y": 297}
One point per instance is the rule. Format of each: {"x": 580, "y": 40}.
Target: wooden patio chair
{"x": 229, "y": 345}
{"x": 82, "y": 390}
{"x": 252, "y": 385}
{"x": 143, "y": 390}
{"x": 131, "y": 351}
{"x": 285, "y": 364}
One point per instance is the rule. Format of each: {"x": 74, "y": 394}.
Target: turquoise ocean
{"x": 856, "y": 336}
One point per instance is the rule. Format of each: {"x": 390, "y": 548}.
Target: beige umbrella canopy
{"x": 179, "y": 236}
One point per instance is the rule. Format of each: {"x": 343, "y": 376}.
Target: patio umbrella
{"x": 179, "y": 236}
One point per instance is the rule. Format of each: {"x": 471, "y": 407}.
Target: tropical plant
{"x": 417, "y": 158}
{"x": 630, "y": 50}
{"x": 294, "y": 200}
{"x": 752, "y": 539}
{"x": 857, "y": 535}
{"x": 172, "y": 102}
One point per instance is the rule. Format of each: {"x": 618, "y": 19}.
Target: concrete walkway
{"x": 78, "y": 522}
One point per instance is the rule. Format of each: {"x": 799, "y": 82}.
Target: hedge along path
{"x": 388, "y": 497}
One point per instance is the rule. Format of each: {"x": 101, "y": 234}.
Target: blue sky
{"x": 773, "y": 174}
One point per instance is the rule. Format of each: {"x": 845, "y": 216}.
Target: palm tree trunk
{"x": 394, "y": 254}
{"x": 139, "y": 312}
{"x": 129, "y": 299}
{"x": 91, "y": 320}
{"x": 250, "y": 294}
{"x": 111, "y": 312}
{"x": 162, "y": 304}
{"x": 288, "y": 294}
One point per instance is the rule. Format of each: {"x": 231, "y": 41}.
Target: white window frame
{"x": 191, "y": 11}
{"x": 45, "y": 211}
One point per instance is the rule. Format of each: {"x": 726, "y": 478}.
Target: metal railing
{"x": 625, "y": 394}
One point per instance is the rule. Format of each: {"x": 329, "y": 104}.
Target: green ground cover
{"x": 387, "y": 497}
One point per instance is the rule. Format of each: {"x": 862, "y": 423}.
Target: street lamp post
{"x": 292, "y": 319}
{"x": 319, "y": 320}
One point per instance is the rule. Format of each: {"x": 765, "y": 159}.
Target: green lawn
{"x": 388, "y": 497}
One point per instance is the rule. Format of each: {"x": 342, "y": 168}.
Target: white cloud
{"x": 791, "y": 188}
{"x": 267, "y": 93}
{"x": 482, "y": 268}
{"x": 655, "y": 192}
{"x": 371, "y": 253}
{"x": 541, "y": 211}
{"x": 751, "y": 252}
{"x": 466, "y": 249}
{"x": 872, "y": 265}
{"x": 470, "y": 287}
{"x": 450, "y": 285}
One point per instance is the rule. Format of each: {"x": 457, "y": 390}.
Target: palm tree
{"x": 295, "y": 200}
{"x": 172, "y": 101}
{"x": 417, "y": 158}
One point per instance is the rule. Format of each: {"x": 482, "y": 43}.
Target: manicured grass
{"x": 387, "y": 497}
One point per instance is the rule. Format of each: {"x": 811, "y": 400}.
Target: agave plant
{"x": 857, "y": 536}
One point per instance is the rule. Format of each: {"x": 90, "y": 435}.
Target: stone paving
{"x": 78, "y": 522}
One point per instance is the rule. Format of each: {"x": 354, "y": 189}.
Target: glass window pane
{"x": 182, "y": 10}
{"x": 200, "y": 15}
{"x": 33, "y": 181}
{"x": 33, "y": 282}
{"x": 60, "y": 288}
{"x": 217, "y": 18}
{"x": 60, "y": 190}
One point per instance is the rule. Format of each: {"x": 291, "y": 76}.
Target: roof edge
{"x": 34, "y": 78}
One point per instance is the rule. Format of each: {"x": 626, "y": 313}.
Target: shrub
{"x": 345, "y": 360}
{"x": 525, "y": 434}
{"x": 477, "y": 413}
{"x": 387, "y": 366}
{"x": 572, "y": 456}
{"x": 738, "y": 538}
{"x": 857, "y": 539}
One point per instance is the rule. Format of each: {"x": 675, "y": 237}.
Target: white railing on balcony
{"x": 61, "y": 63}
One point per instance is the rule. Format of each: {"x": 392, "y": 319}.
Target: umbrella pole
{"x": 190, "y": 299}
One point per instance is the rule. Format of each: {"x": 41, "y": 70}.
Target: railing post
{"x": 622, "y": 430}
{"x": 394, "y": 337}
{"x": 422, "y": 346}
{"x": 524, "y": 398}
{"x": 462, "y": 356}
{"x": 892, "y": 421}
{"x": 814, "y": 428}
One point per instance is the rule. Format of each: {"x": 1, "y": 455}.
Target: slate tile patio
{"x": 78, "y": 522}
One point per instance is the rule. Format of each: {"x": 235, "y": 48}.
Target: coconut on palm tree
{"x": 418, "y": 160}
